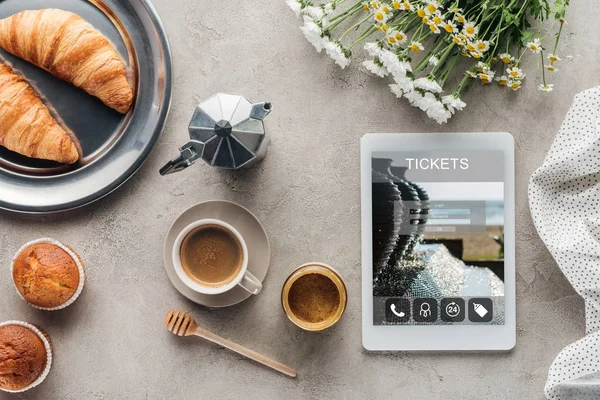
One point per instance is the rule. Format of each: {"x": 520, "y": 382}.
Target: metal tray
{"x": 113, "y": 146}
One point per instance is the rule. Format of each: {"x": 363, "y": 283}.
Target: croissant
{"x": 26, "y": 125}
{"x": 68, "y": 47}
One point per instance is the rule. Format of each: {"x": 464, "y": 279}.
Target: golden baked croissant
{"x": 26, "y": 125}
{"x": 68, "y": 47}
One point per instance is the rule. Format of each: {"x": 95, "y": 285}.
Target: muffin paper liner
{"x": 45, "y": 338}
{"x": 71, "y": 253}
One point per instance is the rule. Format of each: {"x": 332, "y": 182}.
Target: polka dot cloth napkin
{"x": 564, "y": 197}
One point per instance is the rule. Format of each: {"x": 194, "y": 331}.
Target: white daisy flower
{"x": 551, "y": 68}
{"x": 433, "y": 61}
{"x": 314, "y": 33}
{"x": 460, "y": 18}
{"x": 506, "y": 58}
{"x": 553, "y": 58}
{"x": 545, "y": 88}
{"x": 470, "y": 30}
{"x": 535, "y": 46}
{"x": 373, "y": 49}
{"x": 296, "y": 6}
{"x": 397, "y": 90}
{"x": 337, "y": 53}
{"x": 328, "y": 8}
{"x": 395, "y": 66}
{"x": 428, "y": 84}
{"x": 405, "y": 84}
{"x": 453, "y": 103}
{"x": 416, "y": 46}
{"x": 375, "y": 67}
{"x": 438, "y": 112}
{"x": 316, "y": 12}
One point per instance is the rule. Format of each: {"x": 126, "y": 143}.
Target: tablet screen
{"x": 438, "y": 222}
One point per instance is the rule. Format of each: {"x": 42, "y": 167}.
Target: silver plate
{"x": 113, "y": 146}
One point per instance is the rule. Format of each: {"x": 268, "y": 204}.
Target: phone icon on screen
{"x": 396, "y": 313}
{"x": 397, "y": 310}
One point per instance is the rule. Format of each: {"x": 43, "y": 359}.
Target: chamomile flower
{"x": 515, "y": 84}
{"x": 403, "y": 5}
{"x": 482, "y": 46}
{"x": 366, "y": 6}
{"x": 515, "y": 73}
{"x": 296, "y": 6}
{"x": 551, "y": 68}
{"x": 396, "y": 38}
{"x": 506, "y": 58}
{"x": 481, "y": 67}
{"x": 546, "y": 87}
{"x": 486, "y": 77}
{"x": 449, "y": 27}
{"x": 374, "y": 4}
{"x": 502, "y": 80}
{"x": 434, "y": 28}
{"x": 453, "y": 103}
{"x": 553, "y": 58}
{"x": 458, "y": 17}
{"x": 416, "y": 46}
{"x": 381, "y": 15}
{"x": 421, "y": 12}
{"x": 404, "y": 83}
{"x": 382, "y": 27}
{"x": 437, "y": 19}
{"x": 470, "y": 30}
{"x": 375, "y": 67}
{"x": 428, "y": 84}
{"x": 433, "y": 61}
{"x": 313, "y": 33}
{"x": 432, "y": 7}
{"x": 338, "y": 53}
{"x": 373, "y": 48}
{"x": 535, "y": 46}
{"x": 458, "y": 40}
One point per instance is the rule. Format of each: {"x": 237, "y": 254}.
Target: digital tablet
{"x": 438, "y": 241}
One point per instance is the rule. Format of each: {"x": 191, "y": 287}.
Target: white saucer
{"x": 259, "y": 250}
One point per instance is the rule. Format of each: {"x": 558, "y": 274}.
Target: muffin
{"x": 48, "y": 274}
{"x": 25, "y": 356}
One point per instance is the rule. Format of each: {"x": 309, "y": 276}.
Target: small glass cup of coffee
{"x": 314, "y": 297}
{"x": 211, "y": 257}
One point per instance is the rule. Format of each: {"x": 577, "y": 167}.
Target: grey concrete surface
{"x": 111, "y": 345}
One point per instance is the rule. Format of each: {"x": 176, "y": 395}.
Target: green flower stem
{"x": 355, "y": 26}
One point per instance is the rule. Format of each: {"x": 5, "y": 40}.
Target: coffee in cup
{"x": 314, "y": 297}
{"x": 211, "y": 257}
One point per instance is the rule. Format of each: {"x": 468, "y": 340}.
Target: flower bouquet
{"x": 422, "y": 44}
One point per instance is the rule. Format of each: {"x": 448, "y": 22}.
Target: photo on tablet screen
{"x": 438, "y": 243}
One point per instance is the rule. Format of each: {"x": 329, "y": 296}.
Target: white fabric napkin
{"x": 564, "y": 198}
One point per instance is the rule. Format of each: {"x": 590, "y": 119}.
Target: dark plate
{"x": 113, "y": 146}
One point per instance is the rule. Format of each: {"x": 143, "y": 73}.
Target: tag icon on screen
{"x": 480, "y": 310}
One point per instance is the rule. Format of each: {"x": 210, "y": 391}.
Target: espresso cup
{"x": 241, "y": 277}
{"x": 314, "y": 297}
